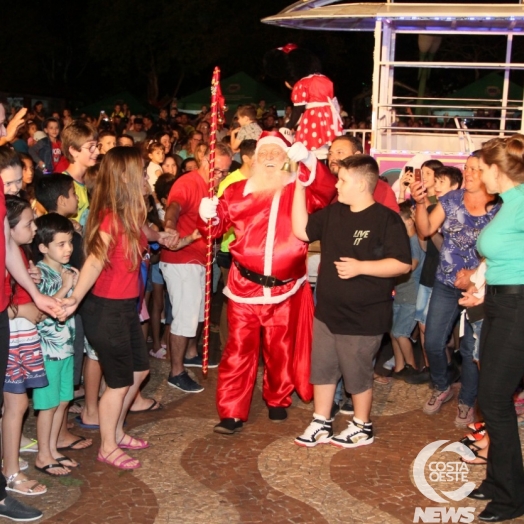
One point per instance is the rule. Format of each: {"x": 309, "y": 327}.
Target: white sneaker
{"x": 320, "y": 431}
{"x": 389, "y": 364}
{"x": 357, "y": 434}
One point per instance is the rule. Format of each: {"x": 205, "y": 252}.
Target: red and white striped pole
{"x": 217, "y": 108}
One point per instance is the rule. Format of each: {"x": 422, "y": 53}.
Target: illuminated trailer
{"x": 392, "y": 144}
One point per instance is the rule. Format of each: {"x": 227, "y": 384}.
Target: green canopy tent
{"x": 108, "y": 104}
{"x": 238, "y": 90}
{"x": 487, "y": 88}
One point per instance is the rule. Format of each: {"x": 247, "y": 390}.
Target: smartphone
{"x": 407, "y": 169}
{"x": 418, "y": 177}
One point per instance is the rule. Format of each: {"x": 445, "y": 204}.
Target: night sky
{"x": 82, "y": 51}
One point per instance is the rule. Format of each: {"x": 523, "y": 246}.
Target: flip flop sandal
{"x": 381, "y": 380}
{"x": 12, "y": 483}
{"x": 483, "y": 460}
{"x": 71, "y": 446}
{"x": 474, "y": 426}
{"x": 161, "y": 353}
{"x": 81, "y": 423}
{"x": 142, "y": 444}
{"x": 474, "y": 447}
{"x": 29, "y": 448}
{"x": 155, "y": 406}
{"x": 63, "y": 459}
{"x": 478, "y": 434}
{"x": 125, "y": 464}
{"x": 45, "y": 469}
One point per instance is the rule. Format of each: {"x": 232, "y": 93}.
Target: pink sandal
{"x": 123, "y": 465}
{"x": 142, "y": 444}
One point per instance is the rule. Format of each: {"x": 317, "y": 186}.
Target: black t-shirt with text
{"x": 361, "y": 305}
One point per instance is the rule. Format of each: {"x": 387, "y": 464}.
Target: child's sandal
{"x": 12, "y": 483}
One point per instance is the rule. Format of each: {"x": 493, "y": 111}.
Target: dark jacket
{"x": 42, "y": 151}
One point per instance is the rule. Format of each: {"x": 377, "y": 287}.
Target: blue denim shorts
{"x": 156, "y": 274}
{"x": 403, "y": 320}
{"x": 421, "y": 310}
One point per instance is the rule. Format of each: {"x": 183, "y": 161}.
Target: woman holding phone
{"x": 460, "y": 215}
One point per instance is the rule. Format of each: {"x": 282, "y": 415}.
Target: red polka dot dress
{"x": 320, "y": 123}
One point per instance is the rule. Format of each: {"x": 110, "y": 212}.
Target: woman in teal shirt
{"x": 502, "y": 341}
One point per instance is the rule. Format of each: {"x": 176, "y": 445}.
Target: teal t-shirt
{"x": 502, "y": 241}
{"x": 56, "y": 338}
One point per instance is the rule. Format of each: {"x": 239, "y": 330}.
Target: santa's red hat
{"x": 272, "y": 137}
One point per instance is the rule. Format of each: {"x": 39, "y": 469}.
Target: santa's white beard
{"x": 267, "y": 181}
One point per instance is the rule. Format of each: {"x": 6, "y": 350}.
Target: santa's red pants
{"x": 285, "y": 329}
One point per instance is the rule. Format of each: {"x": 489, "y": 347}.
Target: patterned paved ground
{"x": 193, "y": 475}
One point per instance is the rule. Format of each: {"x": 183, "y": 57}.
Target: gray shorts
{"x": 350, "y": 356}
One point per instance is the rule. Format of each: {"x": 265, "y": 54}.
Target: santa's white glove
{"x": 208, "y": 208}
{"x": 298, "y": 152}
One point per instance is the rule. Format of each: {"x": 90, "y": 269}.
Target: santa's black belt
{"x": 257, "y": 278}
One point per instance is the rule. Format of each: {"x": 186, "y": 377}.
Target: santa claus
{"x": 269, "y": 297}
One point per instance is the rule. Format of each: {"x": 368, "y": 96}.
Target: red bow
{"x": 288, "y": 48}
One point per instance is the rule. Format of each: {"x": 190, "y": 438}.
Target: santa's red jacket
{"x": 264, "y": 241}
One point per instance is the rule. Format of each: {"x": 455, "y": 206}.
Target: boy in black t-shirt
{"x": 364, "y": 246}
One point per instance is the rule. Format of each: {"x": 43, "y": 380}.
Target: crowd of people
{"x": 104, "y": 259}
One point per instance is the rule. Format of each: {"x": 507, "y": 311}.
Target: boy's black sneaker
{"x": 228, "y": 426}
{"x": 320, "y": 431}
{"x": 420, "y": 377}
{"x": 18, "y": 511}
{"x": 404, "y": 373}
{"x": 347, "y": 407}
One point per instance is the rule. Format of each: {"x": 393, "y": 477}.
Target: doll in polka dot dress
{"x": 315, "y": 113}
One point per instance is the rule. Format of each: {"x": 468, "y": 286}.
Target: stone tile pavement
{"x": 192, "y": 475}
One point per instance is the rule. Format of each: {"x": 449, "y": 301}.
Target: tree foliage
{"x": 43, "y": 48}
{"x": 175, "y": 39}
{"x": 159, "y": 47}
